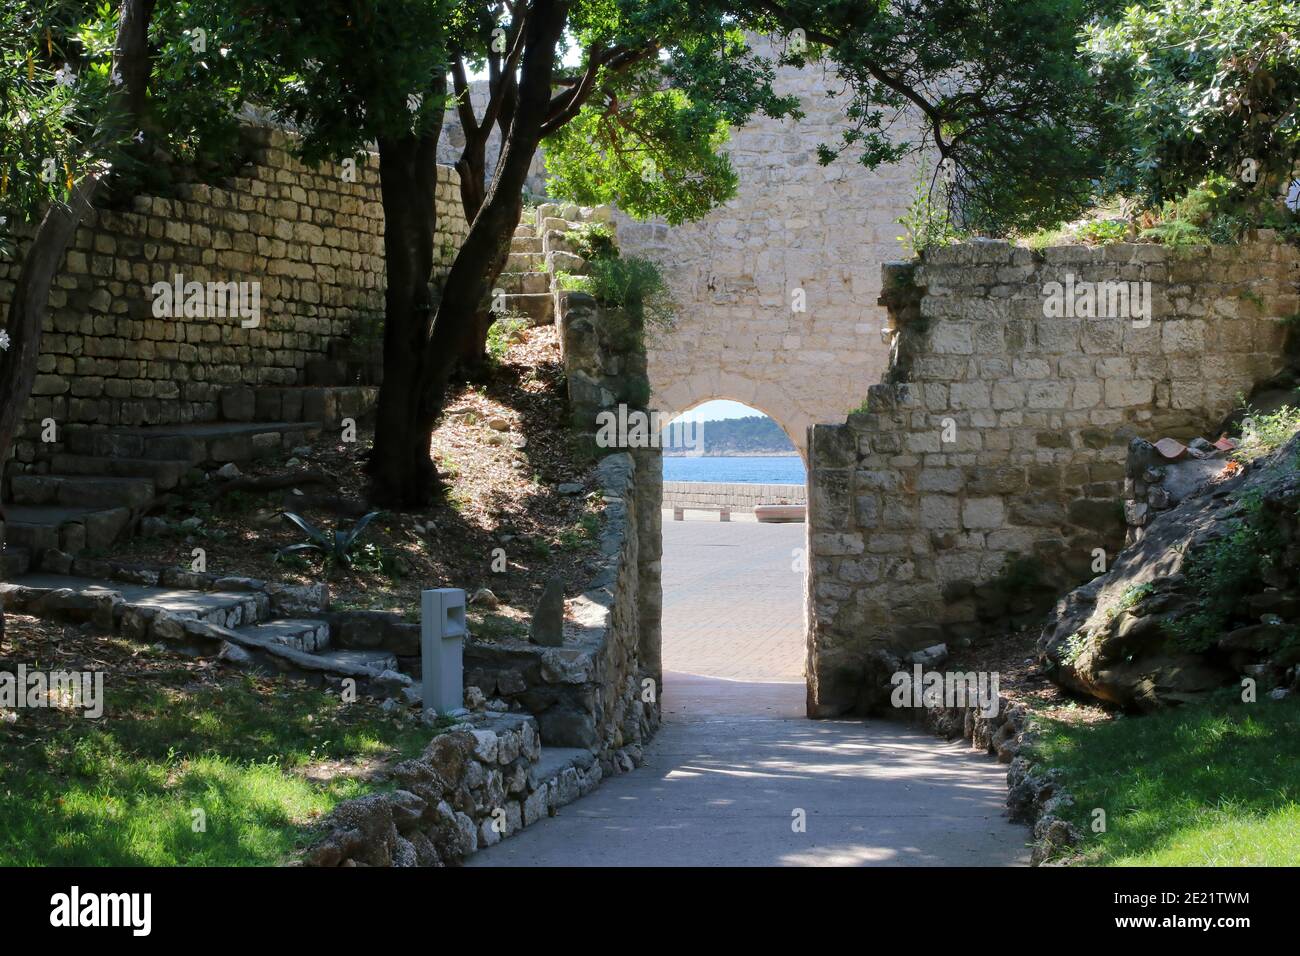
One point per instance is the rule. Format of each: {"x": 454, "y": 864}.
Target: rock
{"x": 1279, "y": 693}
{"x": 498, "y": 424}
{"x": 191, "y": 524}
{"x": 233, "y": 654}
{"x": 390, "y": 706}
{"x": 485, "y": 598}
{"x": 547, "y": 628}
{"x": 228, "y": 471}
{"x": 56, "y": 562}
{"x": 302, "y": 451}
{"x": 931, "y": 657}
{"x": 569, "y": 488}
{"x": 154, "y": 527}
{"x": 293, "y": 463}
{"x": 474, "y": 698}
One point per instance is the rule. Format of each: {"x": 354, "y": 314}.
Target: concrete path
{"x": 733, "y": 599}
{"x": 736, "y": 764}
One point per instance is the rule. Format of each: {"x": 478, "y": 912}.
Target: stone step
{"x": 232, "y": 609}
{"x": 525, "y": 262}
{"x": 514, "y": 283}
{"x": 298, "y": 633}
{"x": 525, "y": 230}
{"x": 318, "y": 404}
{"x": 165, "y": 475}
{"x": 38, "y": 528}
{"x": 14, "y": 562}
{"x": 526, "y": 244}
{"x": 377, "y": 661}
{"x": 81, "y": 491}
{"x": 205, "y": 442}
{"x": 558, "y": 241}
{"x": 538, "y": 307}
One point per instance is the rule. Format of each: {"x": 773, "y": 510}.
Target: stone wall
{"x": 600, "y": 690}
{"x": 480, "y": 782}
{"x": 985, "y": 473}
{"x": 734, "y": 495}
{"x": 313, "y": 241}
{"x": 793, "y": 226}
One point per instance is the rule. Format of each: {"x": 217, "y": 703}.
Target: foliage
{"x": 751, "y": 433}
{"x": 635, "y": 285}
{"x": 929, "y": 221}
{"x": 1221, "y": 571}
{"x": 1204, "y": 785}
{"x": 1197, "y": 87}
{"x": 1021, "y": 129}
{"x": 592, "y": 240}
{"x": 336, "y": 548}
{"x": 1263, "y": 433}
{"x": 1100, "y": 232}
{"x": 502, "y": 333}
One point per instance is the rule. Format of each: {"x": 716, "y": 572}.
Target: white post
{"x": 442, "y": 636}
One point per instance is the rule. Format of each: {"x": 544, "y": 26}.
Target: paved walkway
{"x": 733, "y": 599}
{"x": 736, "y": 763}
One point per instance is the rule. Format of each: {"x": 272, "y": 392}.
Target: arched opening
{"x": 734, "y": 541}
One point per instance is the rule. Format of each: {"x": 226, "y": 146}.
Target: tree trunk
{"x": 401, "y": 465}
{"x": 416, "y": 391}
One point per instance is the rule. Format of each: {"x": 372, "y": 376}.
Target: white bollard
{"x": 442, "y": 637}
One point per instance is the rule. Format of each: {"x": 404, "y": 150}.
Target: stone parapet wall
{"x": 738, "y": 496}
{"x": 600, "y": 690}
{"x": 312, "y": 240}
{"x": 986, "y": 472}
{"x": 480, "y": 782}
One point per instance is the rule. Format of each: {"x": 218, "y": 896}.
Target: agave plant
{"x": 336, "y": 547}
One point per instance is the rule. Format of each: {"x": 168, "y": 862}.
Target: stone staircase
{"x": 539, "y": 249}
{"x": 265, "y": 624}
{"x": 91, "y": 489}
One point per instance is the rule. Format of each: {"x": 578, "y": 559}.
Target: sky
{"x": 717, "y": 410}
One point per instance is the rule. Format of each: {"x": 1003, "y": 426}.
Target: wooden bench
{"x": 679, "y": 512}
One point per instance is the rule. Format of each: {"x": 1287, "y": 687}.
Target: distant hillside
{"x": 755, "y": 435}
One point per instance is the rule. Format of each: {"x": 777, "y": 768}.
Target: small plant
{"x": 592, "y": 241}
{"x": 1099, "y": 232}
{"x": 928, "y": 220}
{"x": 336, "y": 548}
{"x": 635, "y": 285}
{"x": 503, "y": 333}
{"x": 1265, "y": 433}
{"x": 587, "y": 528}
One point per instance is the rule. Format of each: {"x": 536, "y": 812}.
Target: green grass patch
{"x": 1206, "y": 785}
{"x": 123, "y": 790}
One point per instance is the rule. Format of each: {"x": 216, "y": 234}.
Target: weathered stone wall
{"x": 480, "y": 782}
{"x": 592, "y": 692}
{"x": 312, "y": 240}
{"x": 793, "y": 225}
{"x": 988, "y": 467}
{"x": 734, "y": 495}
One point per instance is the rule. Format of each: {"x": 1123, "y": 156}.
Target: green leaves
{"x": 1200, "y": 88}
{"x": 656, "y": 155}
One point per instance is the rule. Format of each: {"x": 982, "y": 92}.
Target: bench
{"x": 679, "y": 512}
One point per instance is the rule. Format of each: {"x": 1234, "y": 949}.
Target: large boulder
{"x": 1155, "y": 629}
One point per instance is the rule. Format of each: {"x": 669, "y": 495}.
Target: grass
{"x": 124, "y": 790}
{"x": 1206, "y": 785}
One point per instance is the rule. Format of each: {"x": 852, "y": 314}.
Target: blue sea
{"x": 783, "y": 470}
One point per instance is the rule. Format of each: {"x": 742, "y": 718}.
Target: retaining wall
{"x": 986, "y": 472}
